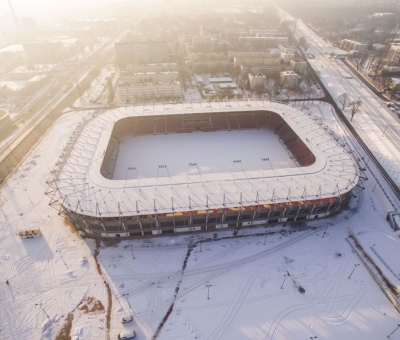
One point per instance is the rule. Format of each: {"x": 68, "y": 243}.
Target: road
{"x": 77, "y": 76}
{"x": 70, "y": 79}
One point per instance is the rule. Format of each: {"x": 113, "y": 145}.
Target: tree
{"x": 303, "y": 43}
{"x": 269, "y": 88}
{"x": 390, "y": 84}
{"x": 308, "y": 78}
{"x": 355, "y": 107}
{"x": 343, "y": 99}
{"x": 260, "y": 89}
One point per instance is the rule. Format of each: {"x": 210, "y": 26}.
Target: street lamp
{"x": 398, "y": 326}
{"x": 59, "y": 251}
{"x": 265, "y": 240}
{"x": 40, "y": 305}
{"x": 126, "y": 295}
{"x": 325, "y": 231}
{"x": 133, "y": 256}
{"x": 208, "y": 293}
{"x": 284, "y": 278}
{"x": 355, "y": 266}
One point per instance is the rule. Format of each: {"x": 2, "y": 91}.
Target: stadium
{"x": 175, "y": 168}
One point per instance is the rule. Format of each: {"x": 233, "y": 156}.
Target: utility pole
{"x": 59, "y": 251}
{"x": 398, "y": 326}
{"x": 355, "y": 266}
{"x": 284, "y": 278}
{"x": 133, "y": 256}
{"x": 40, "y": 305}
{"x": 208, "y": 293}
{"x": 126, "y": 295}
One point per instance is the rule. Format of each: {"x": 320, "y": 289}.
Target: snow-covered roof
{"x": 78, "y": 184}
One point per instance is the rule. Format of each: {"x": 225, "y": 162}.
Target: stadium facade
{"x": 81, "y": 184}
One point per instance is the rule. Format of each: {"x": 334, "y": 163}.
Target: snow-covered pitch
{"x": 80, "y": 187}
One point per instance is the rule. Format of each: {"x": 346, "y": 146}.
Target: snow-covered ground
{"x": 213, "y": 152}
{"x": 98, "y": 91}
{"x": 48, "y": 275}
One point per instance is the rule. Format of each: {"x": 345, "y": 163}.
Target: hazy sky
{"x": 45, "y": 8}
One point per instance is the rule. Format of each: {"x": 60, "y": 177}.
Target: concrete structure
{"x": 256, "y": 80}
{"x": 220, "y": 80}
{"x": 298, "y": 66}
{"x": 204, "y": 44}
{"x": 270, "y": 57}
{"x": 12, "y": 55}
{"x": 210, "y": 60}
{"x": 289, "y": 79}
{"x": 286, "y": 49}
{"x": 350, "y": 45}
{"x": 393, "y": 54}
{"x": 143, "y": 206}
{"x": 287, "y": 57}
{"x": 144, "y": 68}
{"x": 148, "y": 77}
{"x": 141, "y": 52}
{"x": 264, "y": 42}
{"x": 128, "y": 93}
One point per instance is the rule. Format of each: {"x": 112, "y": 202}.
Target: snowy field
{"x": 214, "y": 152}
{"x": 249, "y": 295}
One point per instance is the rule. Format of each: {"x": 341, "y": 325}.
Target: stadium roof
{"x": 79, "y": 186}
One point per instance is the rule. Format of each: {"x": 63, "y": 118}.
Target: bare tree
{"x": 355, "y": 107}
{"x": 269, "y": 88}
{"x": 303, "y": 43}
{"x": 343, "y": 99}
{"x": 308, "y": 78}
{"x": 259, "y": 89}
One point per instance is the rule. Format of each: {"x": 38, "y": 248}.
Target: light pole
{"x": 325, "y": 231}
{"x": 208, "y": 293}
{"x": 59, "y": 251}
{"x": 265, "y": 239}
{"x": 355, "y": 266}
{"x": 126, "y": 295}
{"x": 398, "y": 326}
{"x": 133, "y": 256}
{"x": 313, "y": 337}
{"x": 284, "y": 278}
{"x": 40, "y": 305}
{"x": 200, "y": 244}
{"x": 383, "y": 133}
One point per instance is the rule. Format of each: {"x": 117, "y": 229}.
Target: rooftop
{"x": 80, "y": 186}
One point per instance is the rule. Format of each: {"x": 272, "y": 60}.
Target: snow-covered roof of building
{"x": 79, "y": 186}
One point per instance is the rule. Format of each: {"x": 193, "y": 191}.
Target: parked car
{"x": 126, "y": 318}
{"x": 127, "y": 334}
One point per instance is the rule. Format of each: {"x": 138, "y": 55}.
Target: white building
{"x": 287, "y": 57}
{"x": 298, "y": 66}
{"x": 347, "y": 44}
{"x": 393, "y": 54}
{"x": 150, "y": 91}
{"x": 149, "y": 77}
{"x": 162, "y": 67}
{"x": 209, "y": 60}
{"x": 286, "y": 49}
{"x": 256, "y": 80}
{"x": 289, "y": 79}
{"x": 271, "y": 57}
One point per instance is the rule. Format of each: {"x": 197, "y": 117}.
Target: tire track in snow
{"x": 240, "y": 299}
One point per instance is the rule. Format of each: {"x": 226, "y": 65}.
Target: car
{"x": 126, "y": 318}
{"x": 126, "y": 334}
